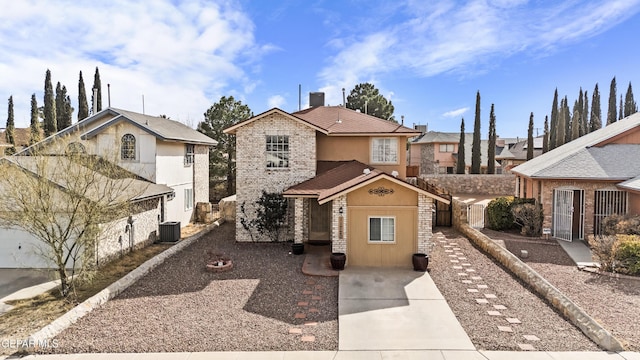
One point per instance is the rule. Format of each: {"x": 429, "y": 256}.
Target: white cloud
{"x": 277, "y": 101}
{"x": 464, "y": 37}
{"x": 181, "y": 56}
{"x": 456, "y": 113}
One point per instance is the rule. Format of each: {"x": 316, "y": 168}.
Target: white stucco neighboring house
{"x": 169, "y": 157}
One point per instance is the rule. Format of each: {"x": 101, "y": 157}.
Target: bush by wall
{"x": 628, "y": 254}
{"x": 499, "y": 212}
{"x": 621, "y": 224}
{"x": 529, "y": 217}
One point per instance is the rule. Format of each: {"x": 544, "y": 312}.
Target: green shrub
{"x": 499, "y": 212}
{"x": 628, "y": 254}
{"x": 529, "y": 217}
{"x": 621, "y": 224}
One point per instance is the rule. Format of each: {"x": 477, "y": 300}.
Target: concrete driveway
{"x": 395, "y": 309}
{"x": 12, "y": 280}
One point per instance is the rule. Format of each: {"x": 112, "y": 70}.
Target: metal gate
{"x": 608, "y": 202}
{"x": 475, "y": 216}
{"x": 566, "y": 222}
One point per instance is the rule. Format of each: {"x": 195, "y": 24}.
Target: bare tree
{"x": 63, "y": 197}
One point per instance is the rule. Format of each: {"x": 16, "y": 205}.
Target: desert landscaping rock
{"x": 179, "y": 306}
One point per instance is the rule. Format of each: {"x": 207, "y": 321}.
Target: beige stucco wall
{"x": 252, "y": 174}
{"x": 345, "y": 148}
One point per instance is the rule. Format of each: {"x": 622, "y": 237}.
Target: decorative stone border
{"x": 590, "y": 327}
{"x": 113, "y": 290}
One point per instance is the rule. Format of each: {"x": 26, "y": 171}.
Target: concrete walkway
{"x": 395, "y": 309}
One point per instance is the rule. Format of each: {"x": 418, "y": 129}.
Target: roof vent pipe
{"x": 344, "y": 99}
{"x": 95, "y": 101}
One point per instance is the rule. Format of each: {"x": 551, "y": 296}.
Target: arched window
{"x": 75, "y": 148}
{"x": 128, "y": 147}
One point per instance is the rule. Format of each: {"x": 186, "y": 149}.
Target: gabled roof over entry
{"x": 344, "y": 178}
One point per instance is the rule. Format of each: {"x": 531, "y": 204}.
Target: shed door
{"x": 362, "y": 252}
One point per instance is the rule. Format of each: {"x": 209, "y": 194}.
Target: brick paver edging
{"x": 113, "y": 290}
{"x": 568, "y": 308}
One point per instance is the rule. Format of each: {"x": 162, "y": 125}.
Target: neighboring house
{"x": 515, "y": 154}
{"x": 21, "y": 136}
{"x": 585, "y": 180}
{"x": 344, "y": 173}
{"x": 157, "y": 150}
{"x": 436, "y": 152}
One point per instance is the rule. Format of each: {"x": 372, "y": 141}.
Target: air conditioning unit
{"x": 170, "y": 231}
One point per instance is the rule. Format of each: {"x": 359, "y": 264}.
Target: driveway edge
{"x": 48, "y": 332}
{"x": 590, "y": 327}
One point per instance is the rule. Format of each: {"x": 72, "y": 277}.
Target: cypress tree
{"x": 579, "y": 106}
{"x": 584, "y": 129}
{"x": 35, "y": 121}
{"x": 567, "y": 121}
{"x": 96, "y": 100}
{"x": 553, "y": 137}
{"x": 560, "y": 126}
{"x": 83, "y": 107}
{"x": 545, "y": 139}
{"x": 50, "y": 123}
{"x": 596, "y": 113}
{"x": 460, "y": 164}
{"x": 575, "y": 127}
{"x": 530, "y": 138}
{"x": 475, "y": 147}
{"x": 630, "y": 106}
{"x": 621, "y": 109}
{"x": 10, "y": 128}
{"x": 491, "y": 150}
{"x": 612, "y": 115}
{"x": 64, "y": 110}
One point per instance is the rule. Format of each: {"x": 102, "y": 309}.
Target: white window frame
{"x": 278, "y": 147}
{"x": 127, "y": 153}
{"x": 189, "y": 154}
{"x": 382, "y": 240}
{"x": 448, "y": 148}
{"x": 384, "y": 150}
{"x": 188, "y": 199}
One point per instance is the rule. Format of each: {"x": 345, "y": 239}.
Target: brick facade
{"x": 425, "y": 217}
{"x": 339, "y": 243}
{"x": 252, "y": 175}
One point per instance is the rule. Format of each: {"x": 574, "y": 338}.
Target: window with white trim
{"x": 384, "y": 150}
{"x": 447, "y": 148}
{"x": 382, "y": 229}
{"x": 188, "y": 199}
{"x": 128, "y": 147}
{"x": 277, "y": 151}
{"x": 189, "y": 153}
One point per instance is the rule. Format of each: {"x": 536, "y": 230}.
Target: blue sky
{"x": 428, "y": 57}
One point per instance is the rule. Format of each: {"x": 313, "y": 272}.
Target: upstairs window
{"x": 128, "y": 147}
{"x": 384, "y": 151}
{"x": 446, "y": 148}
{"x": 189, "y": 153}
{"x": 277, "y": 151}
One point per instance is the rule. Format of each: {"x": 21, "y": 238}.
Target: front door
{"x": 319, "y": 221}
{"x": 568, "y": 214}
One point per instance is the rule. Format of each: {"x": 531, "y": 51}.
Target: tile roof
{"x": 345, "y": 176}
{"x": 339, "y": 120}
{"x": 563, "y": 154}
{"x": 441, "y": 137}
{"x": 22, "y": 136}
{"x": 519, "y": 149}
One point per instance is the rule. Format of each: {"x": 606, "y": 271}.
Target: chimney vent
{"x": 316, "y": 99}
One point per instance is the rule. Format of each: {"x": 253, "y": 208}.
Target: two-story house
{"x": 171, "y": 158}
{"x": 344, "y": 172}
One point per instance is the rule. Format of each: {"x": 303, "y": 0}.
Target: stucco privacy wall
{"x": 474, "y": 184}
{"x": 252, "y": 174}
{"x": 116, "y": 238}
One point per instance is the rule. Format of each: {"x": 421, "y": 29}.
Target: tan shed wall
{"x": 398, "y": 254}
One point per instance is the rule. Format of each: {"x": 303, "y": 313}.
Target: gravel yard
{"x": 613, "y": 302}
{"x": 535, "y": 324}
{"x": 179, "y": 306}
